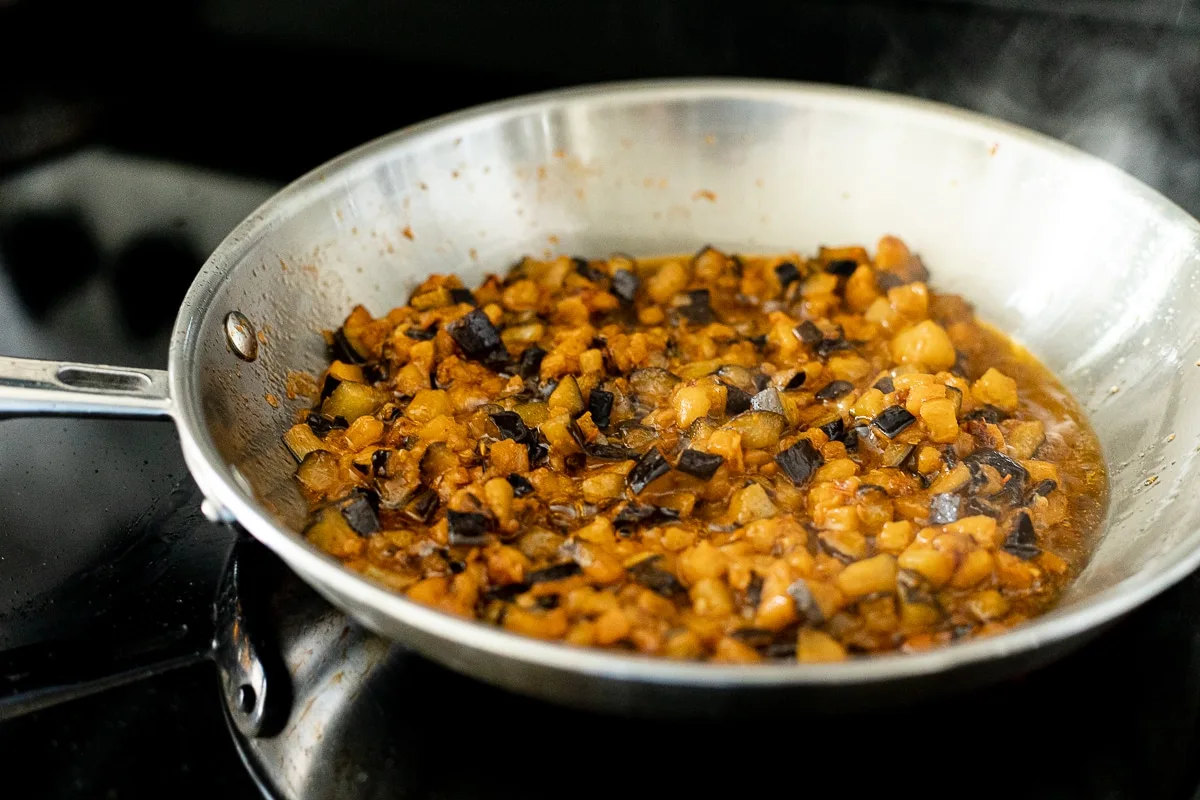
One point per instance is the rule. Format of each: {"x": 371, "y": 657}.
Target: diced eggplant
{"x": 532, "y": 414}
{"x": 421, "y": 505}
{"x": 320, "y": 472}
{"x": 530, "y": 362}
{"x": 353, "y": 400}
{"x": 422, "y": 334}
{"x": 758, "y": 638}
{"x": 787, "y": 273}
{"x": 343, "y": 371}
{"x": 625, "y": 286}
{"x": 1021, "y": 540}
{"x": 893, "y": 420}
{"x": 376, "y": 372}
{"x": 885, "y": 384}
{"x": 520, "y": 484}
{"x": 796, "y": 381}
{"x": 979, "y": 507}
{"x": 437, "y": 460}
{"x": 760, "y": 430}
{"x": 753, "y": 595}
{"x": 508, "y": 592}
{"x": 807, "y": 607}
{"x": 463, "y": 296}
{"x": 600, "y": 405}
{"x": 361, "y": 511}
{"x": 1044, "y": 487}
{"x": 834, "y": 427}
{"x": 842, "y": 267}
{"x": 1024, "y": 438}
{"x": 566, "y": 397}
{"x": 781, "y": 649}
{"x": 379, "y": 462}
{"x": 656, "y": 579}
{"x": 558, "y": 572}
{"x": 986, "y": 413}
{"x": 650, "y": 466}
{"x": 857, "y": 433}
{"x": 895, "y": 454}
{"x": 827, "y": 347}
{"x": 344, "y": 350}
{"x": 478, "y": 338}
{"x": 329, "y": 531}
{"x": 699, "y": 464}
{"x": 800, "y": 461}
{"x": 509, "y": 425}
{"x": 736, "y": 401}
{"x": 328, "y": 386}
{"x": 653, "y": 381}
{"x": 634, "y": 515}
{"x": 699, "y": 307}
{"x": 768, "y": 400}
{"x": 434, "y": 298}
{"x": 1018, "y": 476}
{"x": 538, "y": 453}
{"x": 809, "y": 333}
{"x": 834, "y": 391}
{"x": 586, "y": 271}
{"x": 944, "y": 508}
{"x": 611, "y": 452}
{"x": 301, "y": 441}
{"x": 737, "y": 375}
{"x": 633, "y": 435}
{"x": 955, "y": 395}
{"x": 467, "y": 529}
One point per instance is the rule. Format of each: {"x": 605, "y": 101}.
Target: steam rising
{"x": 1125, "y": 93}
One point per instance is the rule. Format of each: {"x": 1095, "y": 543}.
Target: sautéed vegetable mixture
{"x": 710, "y": 457}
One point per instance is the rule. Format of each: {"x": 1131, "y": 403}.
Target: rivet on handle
{"x": 241, "y": 336}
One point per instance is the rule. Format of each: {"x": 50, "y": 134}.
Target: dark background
{"x": 272, "y": 89}
{"x": 265, "y": 91}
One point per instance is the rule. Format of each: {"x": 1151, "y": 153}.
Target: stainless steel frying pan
{"x": 1095, "y": 272}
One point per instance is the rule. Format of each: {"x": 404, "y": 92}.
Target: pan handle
{"x": 33, "y": 388}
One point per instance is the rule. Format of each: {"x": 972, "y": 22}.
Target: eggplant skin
{"x": 520, "y": 484}
{"x": 698, "y": 464}
{"x": 658, "y": 580}
{"x": 600, "y": 405}
{"x": 625, "y": 286}
{"x": 800, "y": 461}
{"x": 467, "y": 529}
{"x": 558, "y": 572}
{"x": 478, "y": 338}
{"x": 634, "y": 515}
{"x": 893, "y": 420}
{"x": 835, "y": 391}
{"x": 650, "y": 466}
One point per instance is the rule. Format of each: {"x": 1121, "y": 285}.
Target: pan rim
{"x": 219, "y": 483}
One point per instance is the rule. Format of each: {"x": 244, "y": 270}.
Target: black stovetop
{"x": 102, "y": 549}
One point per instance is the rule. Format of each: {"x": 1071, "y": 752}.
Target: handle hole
{"x": 247, "y": 699}
{"x": 103, "y": 379}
